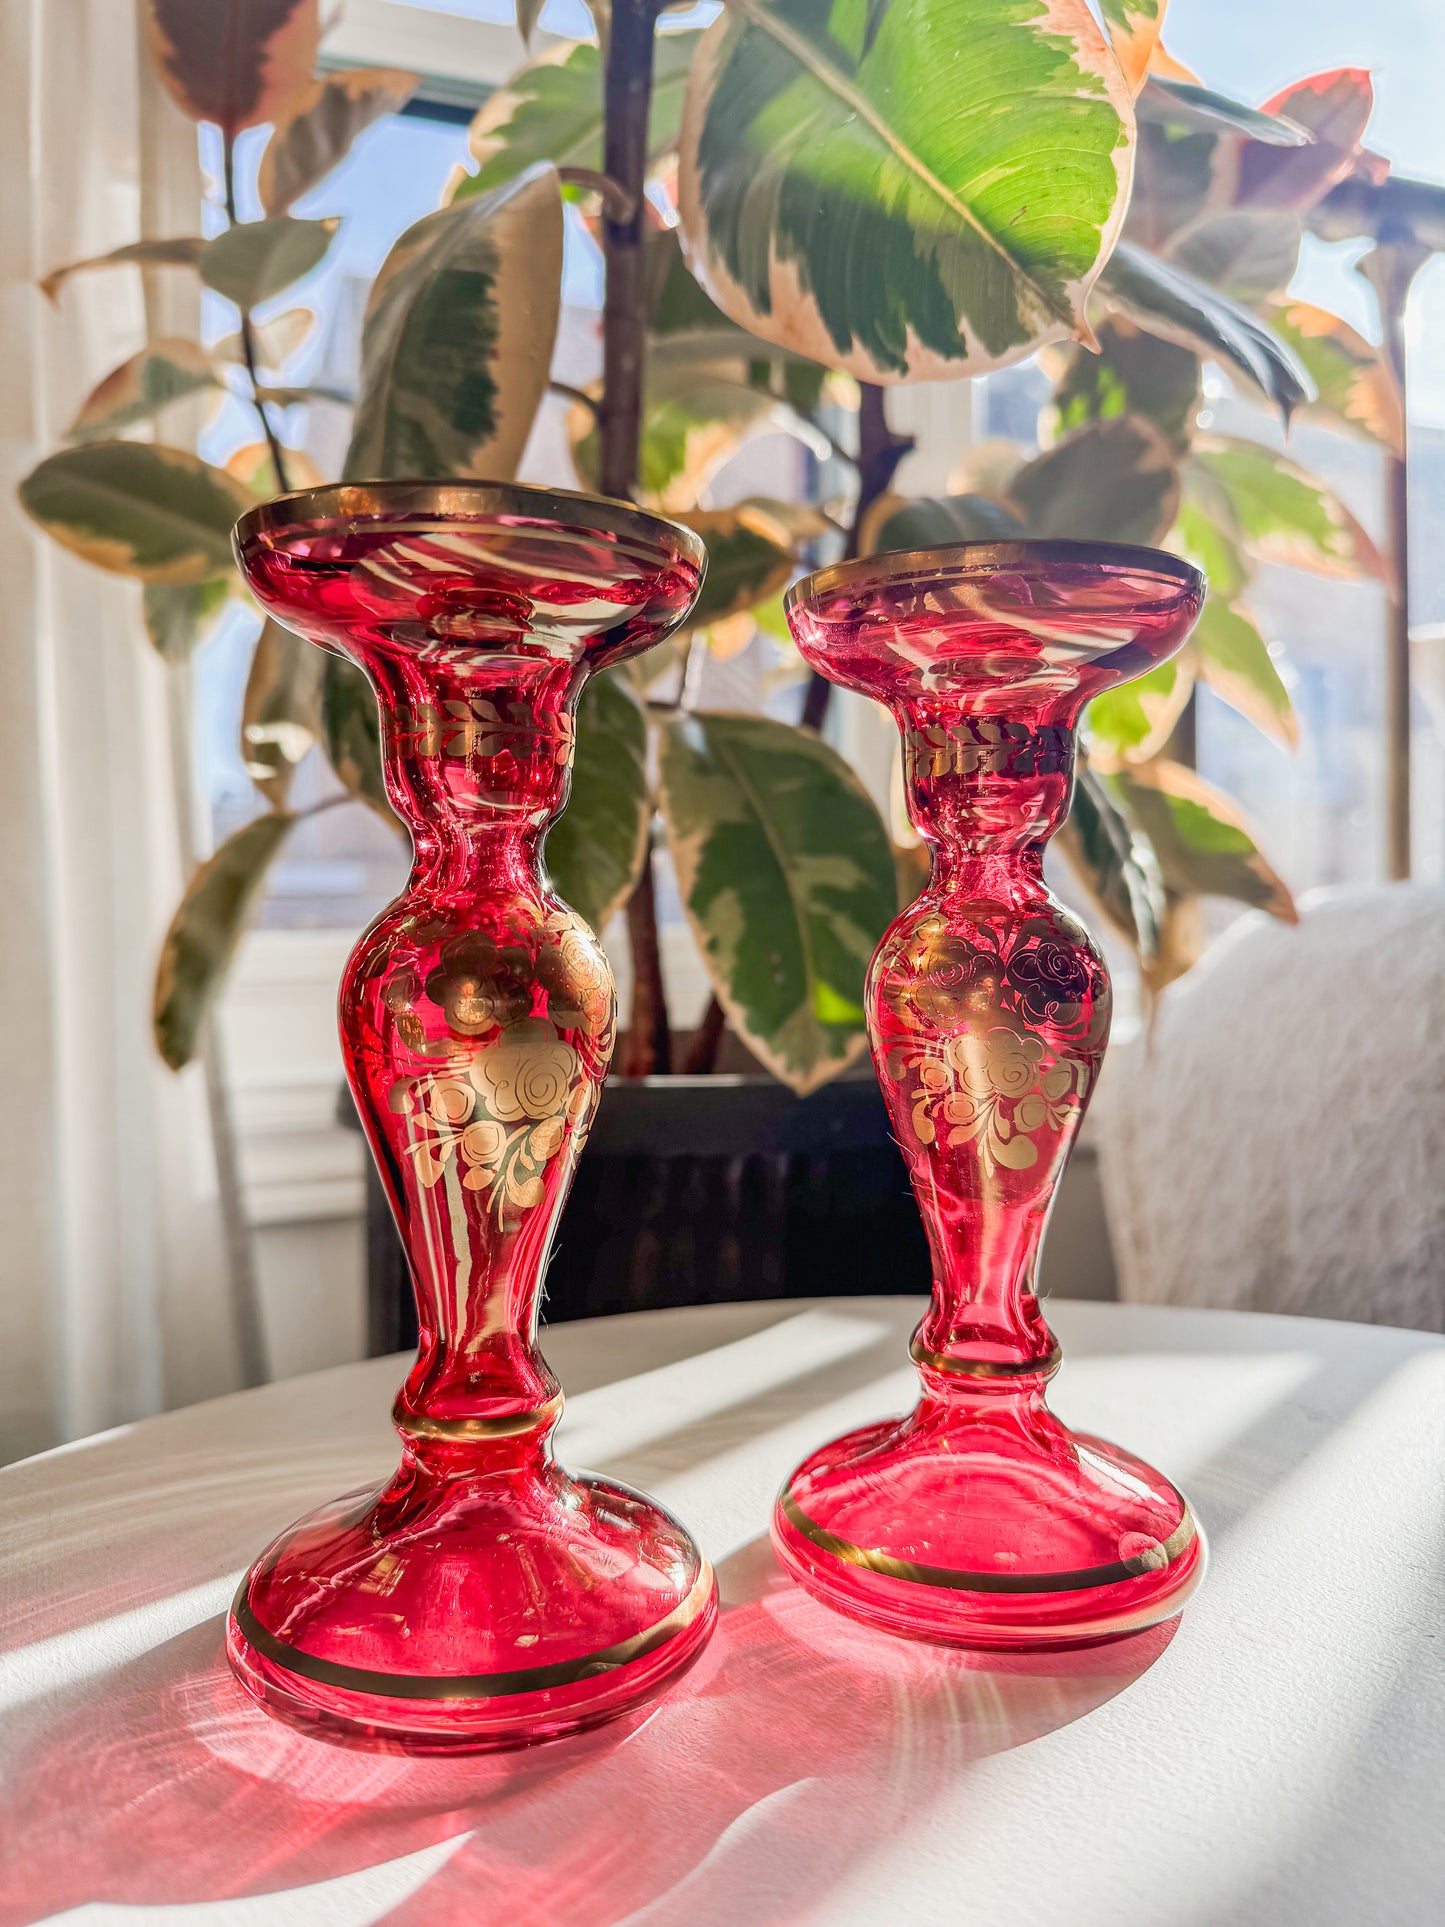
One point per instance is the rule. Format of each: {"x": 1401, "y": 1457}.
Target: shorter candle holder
{"x": 980, "y": 1519}
{"x": 482, "y": 1596}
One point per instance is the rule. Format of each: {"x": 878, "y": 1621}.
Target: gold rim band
{"x": 471, "y": 1686}
{"x": 1044, "y": 1367}
{"x": 355, "y": 501}
{"x": 948, "y": 1577}
{"x": 509, "y": 1425}
{"x": 978, "y": 558}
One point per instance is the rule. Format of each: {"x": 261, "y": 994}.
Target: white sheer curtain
{"x": 114, "y": 1293}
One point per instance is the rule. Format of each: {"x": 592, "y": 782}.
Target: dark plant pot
{"x": 696, "y": 1190}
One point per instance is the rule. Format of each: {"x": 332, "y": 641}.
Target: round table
{"x": 1276, "y": 1756}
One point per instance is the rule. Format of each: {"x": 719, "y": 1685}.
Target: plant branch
{"x": 248, "y": 335}
{"x": 617, "y": 202}
{"x": 578, "y": 395}
{"x": 627, "y": 102}
{"x": 879, "y": 453}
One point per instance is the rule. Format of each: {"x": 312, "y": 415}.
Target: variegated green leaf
{"x": 351, "y": 734}
{"x": 177, "y": 616}
{"x": 1133, "y": 28}
{"x": 1114, "y": 864}
{"x": 1162, "y": 298}
{"x": 281, "y": 711}
{"x": 1110, "y": 481}
{"x": 551, "y": 110}
{"x": 1133, "y": 722}
{"x": 168, "y": 370}
{"x": 749, "y": 558}
{"x": 596, "y": 847}
{"x": 975, "y": 154}
{"x": 787, "y": 878}
{"x": 204, "y": 932}
{"x": 934, "y": 522}
{"x": 1203, "y": 845}
{"x": 184, "y": 251}
{"x": 695, "y": 415}
{"x": 1353, "y": 383}
{"x": 1134, "y": 373}
{"x": 316, "y": 132}
{"x": 234, "y": 62}
{"x": 1201, "y": 537}
{"x": 139, "y": 509}
{"x": 1280, "y": 513}
{"x": 457, "y": 345}
{"x": 256, "y": 259}
{"x": 1234, "y": 660}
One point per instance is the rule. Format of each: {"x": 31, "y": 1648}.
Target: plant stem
{"x": 647, "y": 1049}
{"x": 627, "y": 101}
{"x": 879, "y": 453}
{"x": 701, "y": 1059}
{"x": 248, "y": 334}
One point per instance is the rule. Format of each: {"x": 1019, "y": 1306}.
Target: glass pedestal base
{"x": 440, "y": 1616}
{"x": 1000, "y": 1529}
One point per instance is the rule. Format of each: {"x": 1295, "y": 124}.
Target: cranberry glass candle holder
{"x": 483, "y": 1596}
{"x": 980, "y": 1519}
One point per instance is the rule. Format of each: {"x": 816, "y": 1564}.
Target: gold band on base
{"x": 471, "y": 1686}
{"x": 1044, "y": 1367}
{"x": 1153, "y": 1560}
{"x": 508, "y": 1425}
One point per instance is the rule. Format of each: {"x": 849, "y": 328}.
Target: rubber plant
{"x": 798, "y": 206}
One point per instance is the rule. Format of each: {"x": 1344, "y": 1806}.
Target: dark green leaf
{"x": 1234, "y": 660}
{"x": 457, "y": 345}
{"x": 1203, "y": 846}
{"x": 1354, "y": 384}
{"x": 1134, "y": 373}
{"x": 138, "y": 509}
{"x": 281, "y": 712}
{"x": 934, "y": 522}
{"x": 749, "y": 558}
{"x": 204, "y": 932}
{"x": 595, "y": 849}
{"x": 551, "y": 110}
{"x": 1110, "y": 481}
{"x": 787, "y": 877}
{"x": 1134, "y": 721}
{"x": 1284, "y": 515}
{"x": 177, "y": 617}
{"x": 1167, "y": 301}
{"x": 251, "y": 262}
{"x": 166, "y": 371}
{"x": 1115, "y": 865}
{"x": 351, "y": 733}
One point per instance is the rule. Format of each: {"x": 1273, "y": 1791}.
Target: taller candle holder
{"x": 980, "y": 1518}
{"x": 482, "y": 1596}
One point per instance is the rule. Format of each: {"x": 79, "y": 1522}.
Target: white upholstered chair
{"x": 1278, "y": 1142}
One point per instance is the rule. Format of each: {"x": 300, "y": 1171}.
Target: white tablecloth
{"x": 1279, "y": 1758}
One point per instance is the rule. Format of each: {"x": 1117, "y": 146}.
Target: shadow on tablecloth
{"x": 792, "y": 1752}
